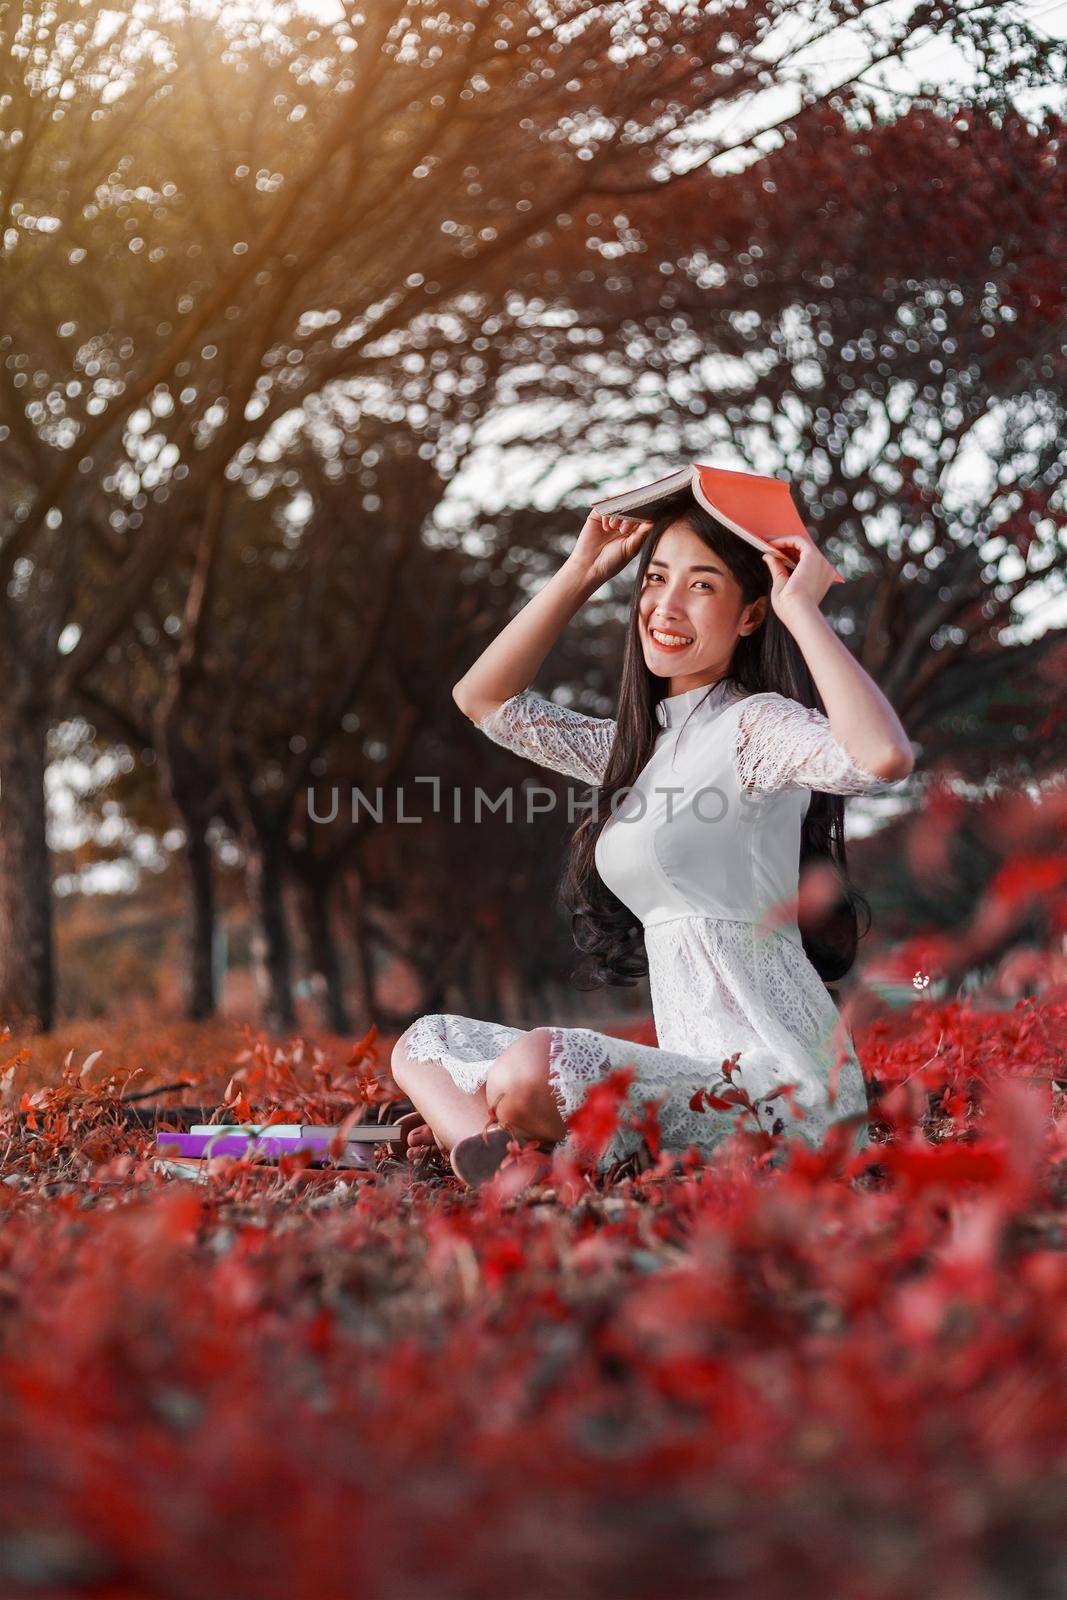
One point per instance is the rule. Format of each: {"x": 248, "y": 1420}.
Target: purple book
{"x": 203, "y": 1146}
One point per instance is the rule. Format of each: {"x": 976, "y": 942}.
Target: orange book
{"x": 751, "y": 505}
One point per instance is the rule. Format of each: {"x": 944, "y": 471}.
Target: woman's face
{"x": 691, "y": 612}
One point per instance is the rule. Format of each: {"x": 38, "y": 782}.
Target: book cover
{"x": 752, "y": 505}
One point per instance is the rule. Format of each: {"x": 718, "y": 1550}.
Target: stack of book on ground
{"x": 188, "y": 1154}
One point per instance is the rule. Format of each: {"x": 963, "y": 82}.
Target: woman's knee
{"x": 518, "y": 1082}
{"x": 400, "y": 1058}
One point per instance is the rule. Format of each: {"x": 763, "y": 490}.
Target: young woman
{"x": 717, "y": 778}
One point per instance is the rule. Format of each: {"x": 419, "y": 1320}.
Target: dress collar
{"x": 673, "y": 709}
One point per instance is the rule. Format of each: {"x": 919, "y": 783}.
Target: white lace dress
{"x": 704, "y": 848}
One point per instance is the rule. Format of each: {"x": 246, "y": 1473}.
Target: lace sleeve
{"x": 554, "y": 736}
{"x": 782, "y": 744}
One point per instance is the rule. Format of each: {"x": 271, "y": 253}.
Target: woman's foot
{"x": 423, "y": 1144}
{"x": 417, "y": 1138}
{"x": 478, "y": 1158}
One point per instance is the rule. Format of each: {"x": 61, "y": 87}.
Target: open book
{"x": 751, "y": 505}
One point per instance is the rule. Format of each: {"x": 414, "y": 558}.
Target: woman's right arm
{"x": 511, "y": 661}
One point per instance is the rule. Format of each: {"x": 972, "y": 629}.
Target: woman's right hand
{"x": 607, "y": 544}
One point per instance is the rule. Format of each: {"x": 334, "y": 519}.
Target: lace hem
{"x": 465, "y": 1046}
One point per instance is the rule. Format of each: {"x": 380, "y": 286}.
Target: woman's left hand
{"x": 809, "y": 580}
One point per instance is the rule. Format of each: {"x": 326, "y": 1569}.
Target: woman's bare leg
{"x": 451, "y": 1113}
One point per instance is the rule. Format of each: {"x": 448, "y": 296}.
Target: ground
{"x": 777, "y": 1368}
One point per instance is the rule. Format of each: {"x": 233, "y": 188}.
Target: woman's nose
{"x": 667, "y": 605}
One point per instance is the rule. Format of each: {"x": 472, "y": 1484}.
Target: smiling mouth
{"x": 669, "y": 641}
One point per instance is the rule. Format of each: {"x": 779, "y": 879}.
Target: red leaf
{"x": 598, "y": 1116}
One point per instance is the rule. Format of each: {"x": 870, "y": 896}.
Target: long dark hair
{"x": 607, "y": 933}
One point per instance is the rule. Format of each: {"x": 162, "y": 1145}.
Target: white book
{"x": 181, "y": 1169}
{"x": 280, "y": 1130}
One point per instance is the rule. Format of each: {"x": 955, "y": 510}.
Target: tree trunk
{"x": 271, "y": 948}
{"x": 365, "y": 1003}
{"x": 27, "y": 971}
{"x": 315, "y": 904}
{"x": 201, "y": 998}
{"x": 437, "y": 979}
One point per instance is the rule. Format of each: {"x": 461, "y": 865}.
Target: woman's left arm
{"x": 860, "y": 716}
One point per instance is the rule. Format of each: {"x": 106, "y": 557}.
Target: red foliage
{"x": 829, "y": 1373}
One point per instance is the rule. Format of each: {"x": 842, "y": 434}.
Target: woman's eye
{"x": 651, "y": 577}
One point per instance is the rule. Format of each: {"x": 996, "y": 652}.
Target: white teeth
{"x": 670, "y": 638}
